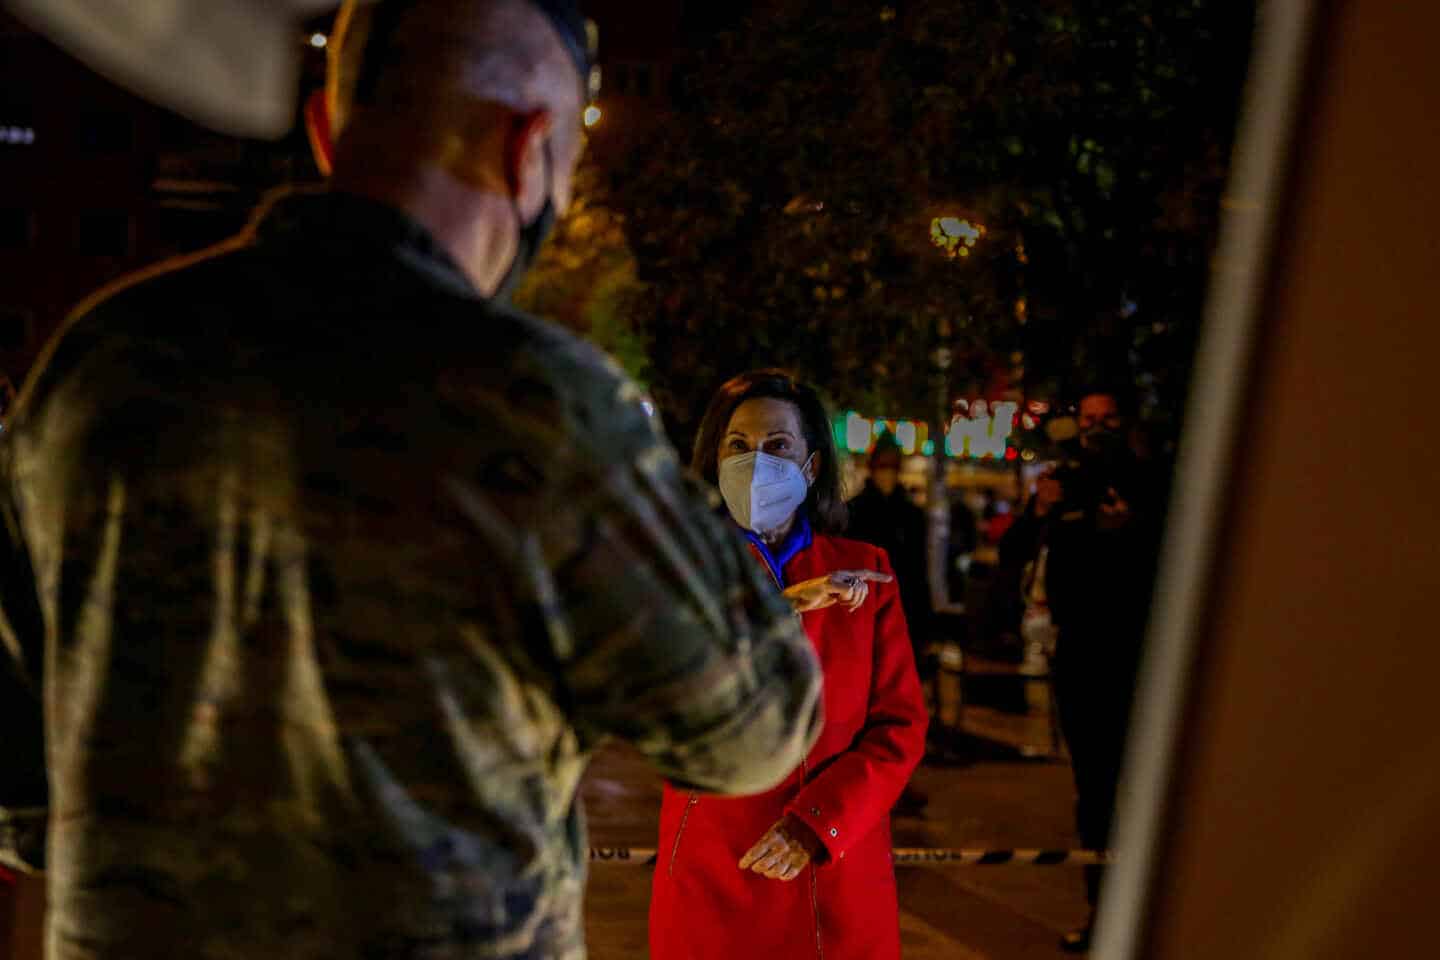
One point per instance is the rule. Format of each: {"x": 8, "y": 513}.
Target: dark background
{"x": 760, "y": 189}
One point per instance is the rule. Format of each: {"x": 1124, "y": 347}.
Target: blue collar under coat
{"x": 799, "y": 539}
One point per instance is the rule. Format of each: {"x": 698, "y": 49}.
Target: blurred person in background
{"x": 1017, "y": 602}
{"x": 323, "y": 664}
{"x": 884, "y": 515}
{"x": 1104, "y": 541}
{"x": 961, "y": 546}
{"x": 804, "y": 867}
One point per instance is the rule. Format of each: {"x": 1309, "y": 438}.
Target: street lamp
{"x": 955, "y": 236}
{"x": 592, "y": 115}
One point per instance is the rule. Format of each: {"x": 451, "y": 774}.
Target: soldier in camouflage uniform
{"x": 341, "y": 569}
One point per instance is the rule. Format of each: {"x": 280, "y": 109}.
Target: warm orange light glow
{"x": 955, "y": 236}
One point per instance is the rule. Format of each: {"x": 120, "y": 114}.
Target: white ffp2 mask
{"x": 762, "y": 491}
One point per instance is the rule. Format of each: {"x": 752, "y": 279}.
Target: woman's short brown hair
{"x": 825, "y": 505}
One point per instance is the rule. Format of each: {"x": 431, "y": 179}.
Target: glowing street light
{"x": 592, "y": 115}
{"x": 318, "y": 40}
{"x": 954, "y": 235}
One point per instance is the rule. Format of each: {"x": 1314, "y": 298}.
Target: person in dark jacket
{"x": 1019, "y": 551}
{"x": 345, "y": 567}
{"x": 1104, "y": 541}
{"x": 883, "y": 514}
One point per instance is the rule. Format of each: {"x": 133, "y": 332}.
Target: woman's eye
{"x": 737, "y": 445}
{"x": 780, "y": 445}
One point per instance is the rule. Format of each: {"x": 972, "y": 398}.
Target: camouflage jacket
{"x": 339, "y": 575}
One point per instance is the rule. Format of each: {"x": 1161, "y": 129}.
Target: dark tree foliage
{"x": 585, "y": 277}
{"x": 781, "y": 213}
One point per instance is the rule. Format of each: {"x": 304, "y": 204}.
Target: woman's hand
{"x": 784, "y": 851}
{"x": 849, "y": 587}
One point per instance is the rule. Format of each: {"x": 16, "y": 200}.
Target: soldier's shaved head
{"x": 418, "y": 63}
{"x": 397, "y": 55}
{"x": 463, "y": 113}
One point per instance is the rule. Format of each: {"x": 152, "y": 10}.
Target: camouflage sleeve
{"x": 688, "y": 652}
{"x": 661, "y": 628}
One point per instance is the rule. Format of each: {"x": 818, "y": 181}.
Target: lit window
{"x": 17, "y": 136}
{"x": 905, "y": 436}
{"x": 857, "y": 433}
{"x": 984, "y": 432}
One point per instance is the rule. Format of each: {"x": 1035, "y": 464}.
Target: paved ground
{"x": 954, "y": 913}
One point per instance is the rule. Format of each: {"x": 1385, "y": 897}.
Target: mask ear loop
{"x": 804, "y": 467}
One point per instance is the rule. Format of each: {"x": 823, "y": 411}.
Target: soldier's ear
{"x": 528, "y": 171}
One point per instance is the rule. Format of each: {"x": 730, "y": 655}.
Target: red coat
{"x": 703, "y": 906}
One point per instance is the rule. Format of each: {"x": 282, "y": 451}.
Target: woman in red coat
{"x": 803, "y": 870}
